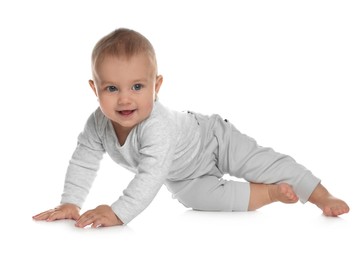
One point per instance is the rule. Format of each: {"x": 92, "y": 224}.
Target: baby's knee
{"x": 212, "y": 194}
{"x": 199, "y": 196}
{"x": 192, "y": 201}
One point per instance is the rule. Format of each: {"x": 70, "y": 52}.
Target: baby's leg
{"x": 264, "y": 194}
{"x": 212, "y": 193}
{"x": 330, "y": 205}
{"x": 240, "y": 156}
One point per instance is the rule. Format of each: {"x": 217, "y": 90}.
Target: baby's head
{"x": 125, "y": 78}
{"x": 122, "y": 43}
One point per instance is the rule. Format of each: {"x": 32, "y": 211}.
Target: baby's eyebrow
{"x": 140, "y": 80}
{"x": 108, "y": 83}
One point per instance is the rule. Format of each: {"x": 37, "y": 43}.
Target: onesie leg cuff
{"x": 242, "y": 196}
{"x": 306, "y": 186}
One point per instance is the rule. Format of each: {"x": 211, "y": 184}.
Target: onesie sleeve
{"x": 156, "y": 150}
{"x": 84, "y": 163}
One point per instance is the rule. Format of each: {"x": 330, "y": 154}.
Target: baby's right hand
{"x": 64, "y": 211}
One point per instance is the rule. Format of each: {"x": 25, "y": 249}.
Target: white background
{"x": 287, "y": 73}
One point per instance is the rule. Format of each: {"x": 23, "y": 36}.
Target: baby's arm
{"x": 155, "y": 154}
{"x": 81, "y": 172}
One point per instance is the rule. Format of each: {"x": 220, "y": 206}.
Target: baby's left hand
{"x": 102, "y": 216}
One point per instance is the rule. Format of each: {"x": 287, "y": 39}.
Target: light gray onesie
{"x": 189, "y": 153}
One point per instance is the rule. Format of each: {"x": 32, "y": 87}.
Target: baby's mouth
{"x": 126, "y": 112}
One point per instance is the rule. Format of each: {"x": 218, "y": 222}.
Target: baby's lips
{"x": 126, "y": 112}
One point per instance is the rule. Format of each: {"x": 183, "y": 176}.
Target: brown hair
{"x": 122, "y": 43}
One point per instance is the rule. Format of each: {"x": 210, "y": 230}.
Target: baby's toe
{"x": 327, "y": 211}
{"x": 340, "y": 210}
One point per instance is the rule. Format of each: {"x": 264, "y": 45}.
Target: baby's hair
{"x": 122, "y": 43}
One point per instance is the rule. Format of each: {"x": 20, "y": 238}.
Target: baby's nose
{"x": 123, "y": 98}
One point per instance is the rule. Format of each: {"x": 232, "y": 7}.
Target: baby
{"x": 188, "y": 152}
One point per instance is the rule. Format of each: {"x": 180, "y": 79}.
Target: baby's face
{"x": 126, "y": 88}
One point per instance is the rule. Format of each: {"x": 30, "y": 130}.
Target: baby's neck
{"x": 121, "y": 132}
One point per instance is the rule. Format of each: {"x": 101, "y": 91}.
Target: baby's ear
{"x": 93, "y": 86}
{"x": 158, "y": 83}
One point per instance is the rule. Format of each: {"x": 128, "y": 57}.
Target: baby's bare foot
{"x": 282, "y": 192}
{"x": 332, "y": 206}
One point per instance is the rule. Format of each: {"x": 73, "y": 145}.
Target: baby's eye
{"x": 111, "y": 88}
{"x": 137, "y": 87}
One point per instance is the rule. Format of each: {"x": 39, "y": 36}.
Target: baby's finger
{"x": 97, "y": 223}
{"x": 55, "y": 215}
{"x": 85, "y": 222}
{"x": 44, "y": 215}
{"x": 85, "y": 219}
